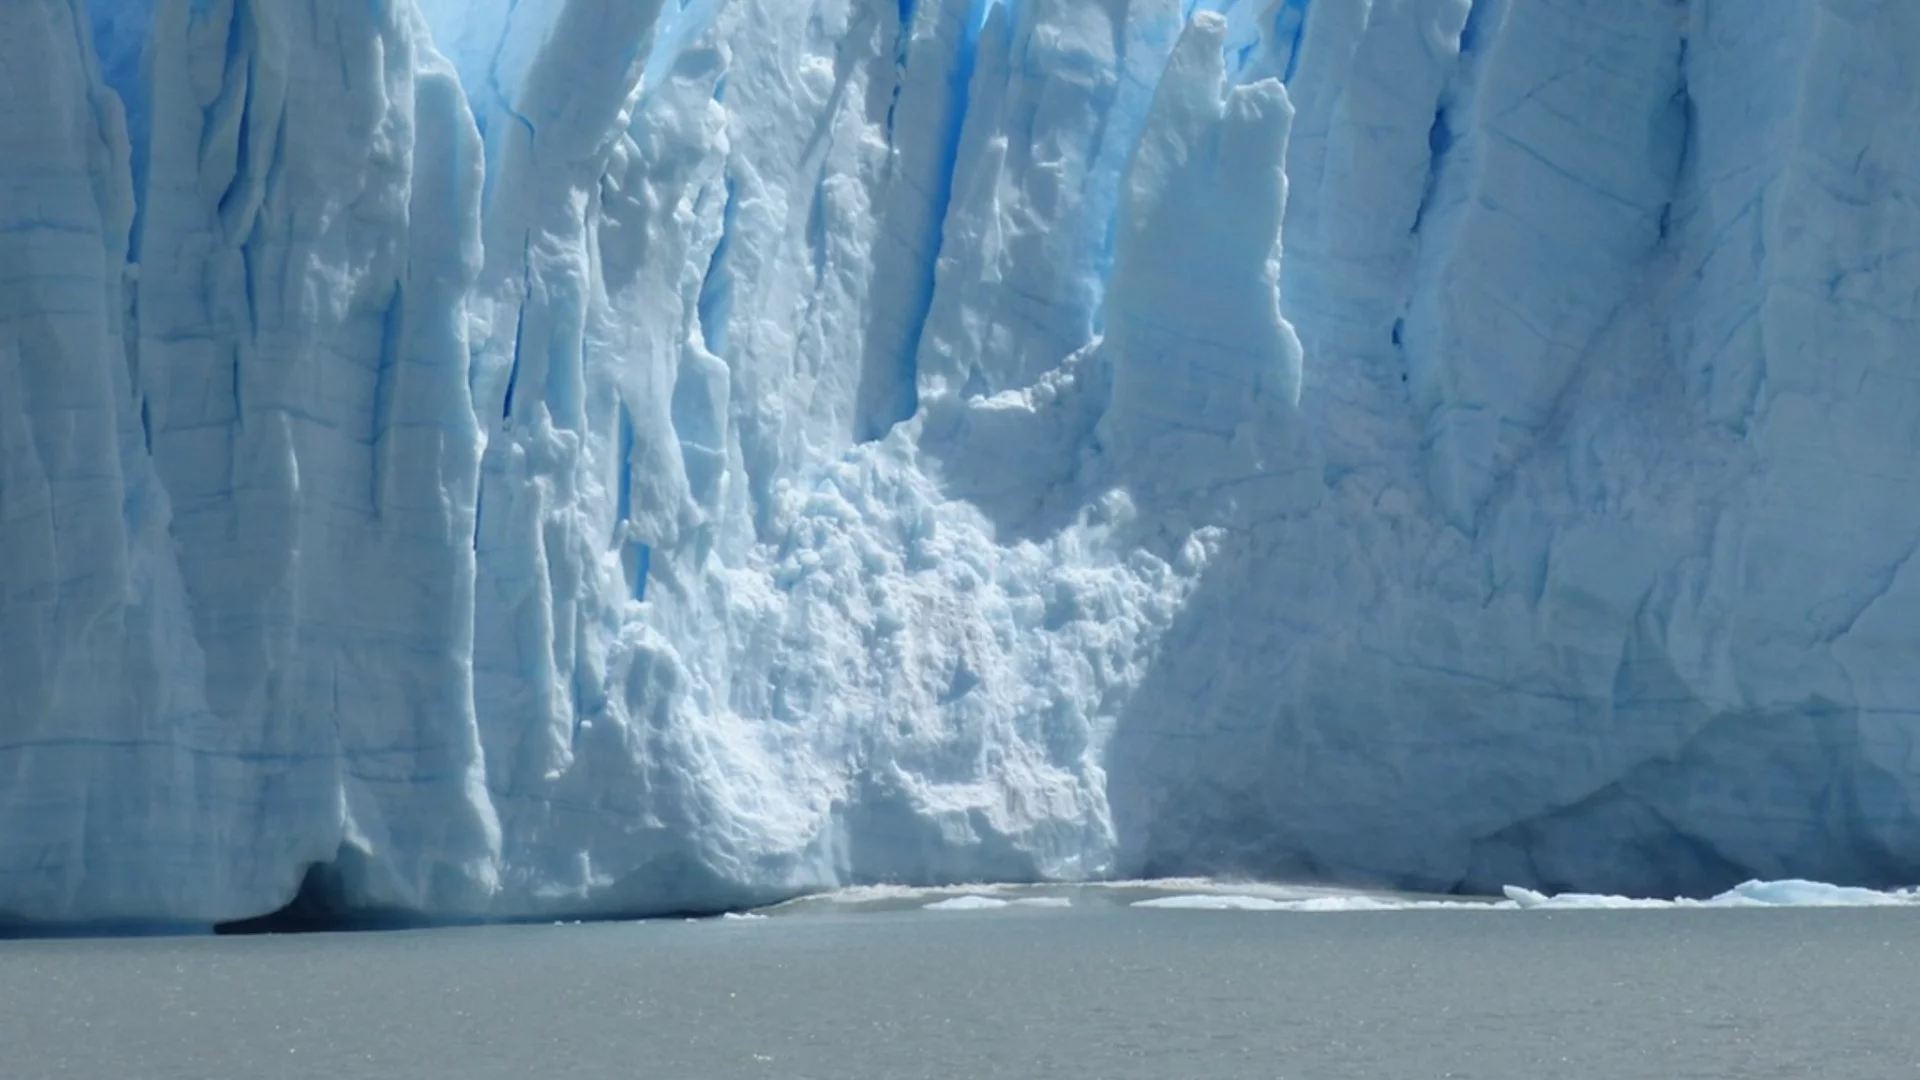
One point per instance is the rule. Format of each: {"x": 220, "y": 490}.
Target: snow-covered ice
{"x": 572, "y": 457}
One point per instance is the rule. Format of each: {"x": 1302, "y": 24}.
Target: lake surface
{"x": 878, "y": 986}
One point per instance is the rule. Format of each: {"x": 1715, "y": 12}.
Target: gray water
{"x": 891, "y": 990}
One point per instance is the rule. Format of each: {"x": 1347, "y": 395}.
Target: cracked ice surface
{"x": 545, "y": 456}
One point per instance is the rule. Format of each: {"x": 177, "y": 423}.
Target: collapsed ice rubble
{"x": 580, "y": 456}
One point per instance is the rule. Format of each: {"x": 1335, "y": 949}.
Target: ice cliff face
{"x": 643, "y": 455}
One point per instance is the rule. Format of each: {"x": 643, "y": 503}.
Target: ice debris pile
{"x": 622, "y": 456}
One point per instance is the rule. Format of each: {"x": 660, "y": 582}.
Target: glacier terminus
{"x": 540, "y": 458}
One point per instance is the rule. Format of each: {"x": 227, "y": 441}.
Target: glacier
{"x": 538, "y": 458}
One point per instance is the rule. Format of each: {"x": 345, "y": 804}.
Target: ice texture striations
{"x": 492, "y": 458}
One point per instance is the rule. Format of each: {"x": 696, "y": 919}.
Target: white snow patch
{"x": 1751, "y": 894}
{"x": 970, "y": 902}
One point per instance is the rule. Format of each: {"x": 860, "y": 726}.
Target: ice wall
{"x": 617, "y": 457}
{"x": 1601, "y": 308}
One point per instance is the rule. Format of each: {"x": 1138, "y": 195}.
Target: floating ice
{"x": 1746, "y": 895}
{"x": 1224, "y": 902}
{"x": 1752, "y": 894}
{"x": 969, "y": 902}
